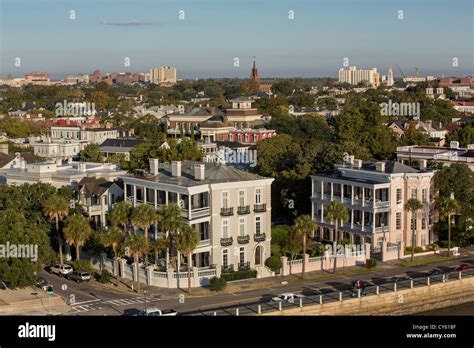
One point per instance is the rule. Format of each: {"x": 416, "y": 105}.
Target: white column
{"x": 352, "y": 218}
{"x": 342, "y": 192}
{"x": 189, "y": 207}
{"x": 156, "y": 199}
{"x": 363, "y": 220}
{"x": 134, "y": 195}
{"x": 322, "y": 188}
{"x": 363, "y": 196}
{"x": 144, "y": 195}
{"x": 332, "y": 191}
{"x": 352, "y": 194}
{"x": 322, "y": 212}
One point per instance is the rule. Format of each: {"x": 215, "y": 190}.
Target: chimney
{"x": 199, "y": 171}
{"x": 454, "y": 144}
{"x": 380, "y": 166}
{"x": 82, "y": 167}
{"x": 154, "y": 168}
{"x": 423, "y": 164}
{"x": 358, "y": 163}
{"x": 176, "y": 168}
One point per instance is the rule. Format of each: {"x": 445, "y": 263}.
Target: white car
{"x": 287, "y": 297}
{"x": 156, "y": 312}
{"x": 61, "y": 269}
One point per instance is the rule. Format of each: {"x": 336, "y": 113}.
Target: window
{"x": 225, "y": 199}
{"x": 423, "y": 195}
{"x": 399, "y": 195}
{"x": 241, "y": 198}
{"x": 423, "y": 222}
{"x": 258, "y": 225}
{"x": 225, "y": 257}
{"x": 258, "y": 196}
{"x": 414, "y": 193}
{"x": 413, "y": 223}
{"x": 423, "y": 239}
{"x": 225, "y": 228}
{"x": 399, "y": 221}
{"x": 241, "y": 226}
{"x": 241, "y": 255}
{"x": 258, "y": 255}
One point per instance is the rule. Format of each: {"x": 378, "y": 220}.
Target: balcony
{"x": 243, "y": 210}
{"x": 259, "y": 237}
{"x": 260, "y": 208}
{"x": 243, "y": 239}
{"x": 244, "y": 266}
{"x": 226, "y": 241}
{"x": 200, "y": 212}
{"x": 227, "y": 211}
{"x": 227, "y": 269}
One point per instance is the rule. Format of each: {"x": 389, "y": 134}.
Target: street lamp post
{"x": 144, "y": 293}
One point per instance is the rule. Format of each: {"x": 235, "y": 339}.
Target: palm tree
{"x": 448, "y": 207}
{"x": 413, "y": 205}
{"x": 304, "y": 225}
{"x": 114, "y": 237}
{"x": 56, "y": 208}
{"x": 77, "y": 231}
{"x": 157, "y": 247}
{"x": 336, "y": 212}
{"x": 137, "y": 245}
{"x": 187, "y": 241}
{"x": 143, "y": 217}
{"x": 170, "y": 220}
{"x": 120, "y": 214}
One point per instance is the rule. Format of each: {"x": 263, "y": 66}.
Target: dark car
{"x": 434, "y": 272}
{"x": 463, "y": 267}
{"x": 42, "y": 283}
{"x": 399, "y": 278}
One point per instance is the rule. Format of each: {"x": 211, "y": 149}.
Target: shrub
{"x": 239, "y": 275}
{"x": 103, "y": 277}
{"x": 274, "y": 263}
{"x": 275, "y": 250}
{"x": 418, "y": 249}
{"x": 82, "y": 265}
{"x": 443, "y": 243}
{"x": 217, "y": 284}
{"x": 371, "y": 263}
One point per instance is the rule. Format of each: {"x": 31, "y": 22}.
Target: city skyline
{"x": 369, "y": 33}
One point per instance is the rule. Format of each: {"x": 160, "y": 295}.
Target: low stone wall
{"x": 324, "y": 262}
{"x": 402, "y": 302}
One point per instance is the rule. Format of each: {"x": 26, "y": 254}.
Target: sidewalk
{"x": 31, "y": 301}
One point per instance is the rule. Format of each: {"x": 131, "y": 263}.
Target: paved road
{"x": 96, "y": 299}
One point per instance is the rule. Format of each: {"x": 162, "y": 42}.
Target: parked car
{"x": 464, "y": 266}
{"x": 434, "y": 272}
{"x": 156, "y": 312}
{"x": 61, "y": 269}
{"x": 79, "y": 276}
{"x": 42, "y": 283}
{"x": 287, "y": 297}
{"x": 399, "y": 278}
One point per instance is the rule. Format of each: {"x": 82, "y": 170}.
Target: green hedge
{"x": 371, "y": 263}
{"x": 418, "y": 249}
{"x": 217, "y": 284}
{"x": 251, "y": 273}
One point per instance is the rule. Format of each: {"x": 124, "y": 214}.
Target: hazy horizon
{"x": 213, "y": 33}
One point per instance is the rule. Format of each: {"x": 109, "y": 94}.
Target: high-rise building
{"x": 390, "y": 77}
{"x": 354, "y": 76}
{"x": 163, "y": 74}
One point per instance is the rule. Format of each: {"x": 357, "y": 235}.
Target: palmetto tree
{"x": 447, "y": 207}
{"x": 114, "y": 237}
{"x": 143, "y": 217}
{"x": 137, "y": 246}
{"x": 120, "y": 214}
{"x": 336, "y": 212}
{"x": 304, "y": 225}
{"x": 77, "y": 231}
{"x": 413, "y": 205}
{"x": 170, "y": 221}
{"x": 56, "y": 208}
{"x": 186, "y": 241}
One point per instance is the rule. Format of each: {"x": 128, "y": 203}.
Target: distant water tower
{"x": 390, "y": 77}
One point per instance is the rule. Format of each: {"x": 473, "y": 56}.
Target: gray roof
{"x": 391, "y": 167}
{"x": 214, "y": 173}
{"x": 127, "y": 143}
{"x": 241, "y": 99}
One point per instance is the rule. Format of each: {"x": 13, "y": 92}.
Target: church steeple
{"x": 254, "y": 77}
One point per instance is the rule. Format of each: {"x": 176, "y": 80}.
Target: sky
{"x": 213, "y": 33}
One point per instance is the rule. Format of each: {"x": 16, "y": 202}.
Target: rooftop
{"x": 214, "y": 173}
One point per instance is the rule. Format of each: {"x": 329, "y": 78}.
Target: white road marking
{"x": 79, "y": 303}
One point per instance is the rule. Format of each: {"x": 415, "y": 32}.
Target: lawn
{"x": 423, "y": 261}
